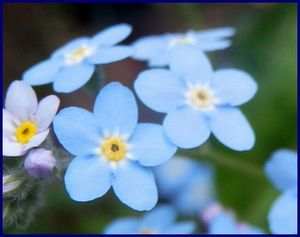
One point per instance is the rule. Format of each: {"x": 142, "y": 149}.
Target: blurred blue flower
{"x": 220, "y": 221}
{"x": 72, "y": 65}
{"x": 187, "y": 184}
{"x": 281, "y": 170}
{"x": 160, "y": 220}
{"x": 198, "y": 101}
{"x": 156, "y": 49}
{"x": 111, "y": 149}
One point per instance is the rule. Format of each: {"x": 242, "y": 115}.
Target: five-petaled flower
{"x": 112, "y": 149}
{"x": 281, "y": 170}
{"x": 161, "y": 220}
{"x": 198, "y": 101}
{"x": 157, "y": 49}
{"x": 25, "y": 121}
{"x": 72, "y": 65}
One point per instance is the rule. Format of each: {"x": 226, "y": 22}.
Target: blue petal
{"x": 77, "y": 130}
{"x": 160, "y": 90}
{"x": 224, "y": 223}
{"x": 87, "y": 178}
{"x": 160, "y": 60}
{"x": 148, "y": 47}
{"x": 111, "y": 54}
{"x": 198, "y": 192}
{"x": 70, "y": 47}
{"x": 72, "y": 78}
{"x": 233, "y": 86}
{"x": 123, "y": 226}
{"x": 283, "y": 215}
{"x": 116, "y": 109}
{"x": 172, "y": 176}
{"x": 159, "y": 218}
{"x": 193, "y": 132}
{"x": 213, "y": 45}
{"x": 281, "y": 169}
{"x": 231, "y": 128}
{"x": 135, "y": 186}
{"x": 215, "y": 34}
{"x": 186, "y": 227}
{"x": 112, "y": 35}
{"x": 150, "y": 146}
{"x": 192, "y": 64}
{"x": 42, "y": 73}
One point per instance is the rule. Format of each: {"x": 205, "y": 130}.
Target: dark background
{"x": 265, "y": 46}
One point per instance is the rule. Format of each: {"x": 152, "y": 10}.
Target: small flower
{"x": 25, "y": 121}
{"x": 72, "y": 65}
{"x": 220, "y": 221}
{"x": 157, "y": 49}
{"x": 187, "y": 184}
{"x": 10, "y": 185}
{"x": 198, "y": 101}
{"x": 281, "y": 170}
{"x": 40, "y": 163}
{"x": 111, "y": 149}
{"x": 161, "y": 220}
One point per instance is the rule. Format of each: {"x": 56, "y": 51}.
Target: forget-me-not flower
{"x": 281, "y": 170}
{"x": 160, "y": 220}
{"x": 25, "y": 121}
{"x": 156, "y": 49}
{"x": 198, "y": 100}
{"x": 187, "y": 184}
{"x": 220, "y": 221}
{"x": 112, "y": 149}
{"x": 72, "y": 65}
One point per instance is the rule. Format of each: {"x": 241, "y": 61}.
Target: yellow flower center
{"x": 25, "y": 132}
{"x": 201, "y": 98}
{"x": 78, "y": 54}
{"x": 148, "y": 232}
{"x": 114, "y": 148}
{"x": 184, "y": 39}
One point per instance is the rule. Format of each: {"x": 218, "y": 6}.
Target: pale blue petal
{"x": 186, "y": 227}
{"x": 192, "y": 64}
{"x": 172, "y": 176}
{"x": 111, "y": 54}
{"x": 186, "y": 127}
{"x": 160, "y": 60}
{"x": 224, "y": 223}
{"x": 116, "y": 109}
{"x": 231, "y": 128}
{"x": 123, "y": 226}
{"x": 159, "y": 218}
{"x": 150, "y": 146}
{"x": 87, "y": 178}
{"x": 72, "y": 78}
{"x": 198, "y": 191}
{"x": 281, "y": 169}
{"x": 160, "y": 90}
{"x": 213, "y": 45}
{"x": 283, "y": 215}
{"x": 135, "y": 186}
{"x": 215, "y": 34}
{"x": 148, "y": 47}
{"x": 70, "y": 47}
{"x": 77, "y": 130}
{"x": 42, "y": 73}
{"x": 233, "y": 86}
{"x": 112, "y": 35}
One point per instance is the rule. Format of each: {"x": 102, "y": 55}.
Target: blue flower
{"x": 187, "y": 184}
{"x": 161, "y": 220}
{"x": 72, "y": 65}
{"x": 198, "y": 101}
{"x": 220, "y": 221}
{"x": 281, "y": 170}
{"x": 156, "y": 49}
{"x": 111, "y": 149}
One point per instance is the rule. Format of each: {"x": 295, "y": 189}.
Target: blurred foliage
{"x": 265, "y": 46}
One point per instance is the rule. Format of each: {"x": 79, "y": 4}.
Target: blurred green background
{"x": 265, "y": 46}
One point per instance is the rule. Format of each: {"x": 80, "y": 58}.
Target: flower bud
{"x": 10, "y": 185}
{"x": 40, "y": 163}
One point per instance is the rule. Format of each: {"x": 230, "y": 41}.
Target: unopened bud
{"x": 10, "y": 185}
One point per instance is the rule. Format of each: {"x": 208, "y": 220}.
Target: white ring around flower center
{"x": 79, "y": 54}
{"x": 182, "y": 39}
